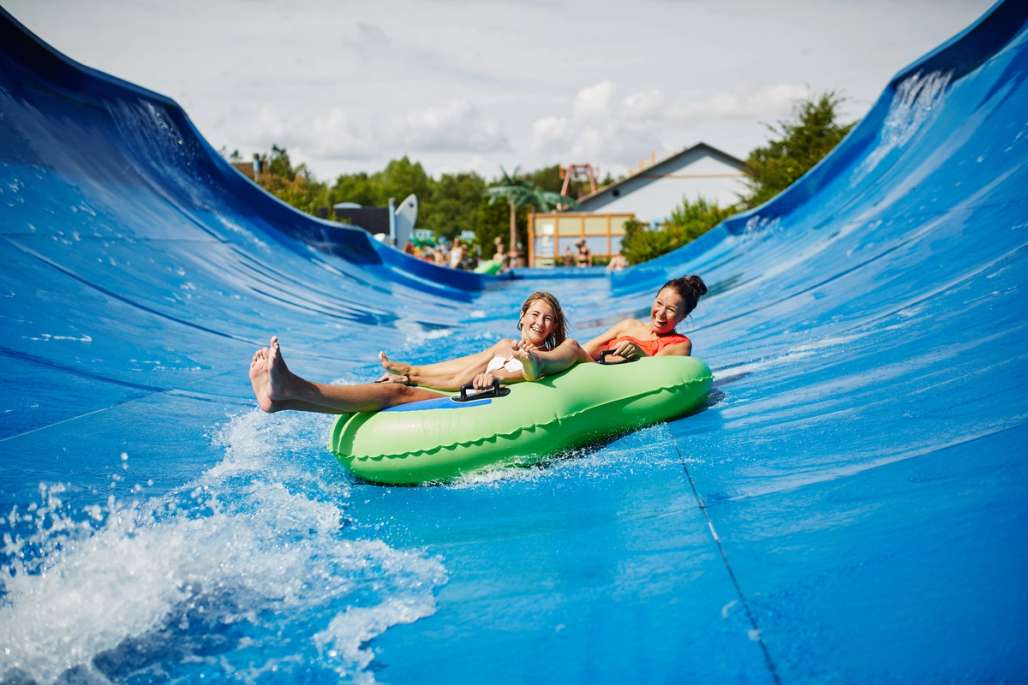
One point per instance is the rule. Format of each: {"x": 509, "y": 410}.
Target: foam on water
{"x": 648, "y": 447}
{"x": 238, "y": 572}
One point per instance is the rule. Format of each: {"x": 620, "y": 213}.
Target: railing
{"x": 552, "y": 236}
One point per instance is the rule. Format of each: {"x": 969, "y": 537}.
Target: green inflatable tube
{"x": 488, "y": 266}
{"x": 438, "y": 440}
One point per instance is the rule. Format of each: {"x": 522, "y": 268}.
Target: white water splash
{"x": 917, "y": 99}
{"x": 255, "y": 557}
{"x": 643, "y": 449}
{"x": 758, "y": 224}
{"x": 48, "y": 337}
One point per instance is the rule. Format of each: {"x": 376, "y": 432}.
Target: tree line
{"x": 447, "y": 204}
{"x": 455, "y": 202}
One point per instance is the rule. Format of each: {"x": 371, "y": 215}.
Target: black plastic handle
{"x": 607, "y": 353}
{"x": 496, "y": 390}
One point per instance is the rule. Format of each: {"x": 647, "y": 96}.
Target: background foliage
{"x": 687, "y": 222}
{"x": 456, "y": 202}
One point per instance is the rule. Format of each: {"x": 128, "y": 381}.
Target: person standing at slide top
{"x": 543, "y": 349}
{"x": 630, "y": 339}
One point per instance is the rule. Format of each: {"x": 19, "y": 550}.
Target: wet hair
{"x": 559, "y": 323}
{"x": 690, "y": 288}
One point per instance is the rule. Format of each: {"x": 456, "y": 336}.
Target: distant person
{"x": 584, "y": 257}
{"x": 439, "y": 255}
{"x": 568, "y": 258}
{"x": 516, "y": 259}
{"x": 457, "y": 254}
{"x": 499, "y": 254}
{"x": 617, "y": 262}
{"x": 408, "y": 248}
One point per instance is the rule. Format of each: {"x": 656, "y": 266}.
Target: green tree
{"x": 456, "y": 204}
{"x": 491, "y": 223}
{"x": 687, "y": 222}
{"x": 278, "y": 163}
{"x": 356, "y": 188}
{"x": 295, "y": 186}
{"x": 796, "y": 145}
{"x": 400, "y": 178}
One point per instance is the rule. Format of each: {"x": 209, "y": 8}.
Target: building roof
{"x": 656, "y": 170}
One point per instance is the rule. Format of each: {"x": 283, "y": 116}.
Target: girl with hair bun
{"x": 631, "y": 338}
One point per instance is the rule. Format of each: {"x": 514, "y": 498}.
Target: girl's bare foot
{"x": 394, "y": 368}
{"x": 260, "y": 380}
{"x": 393, "y": 378}
{"x": 270, "y": 377}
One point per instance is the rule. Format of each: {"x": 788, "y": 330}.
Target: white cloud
{"x": 335, "y": 135}
{"x": 593, "y": 102}
{"x": 370, "y": 35}
{"x": 455, "y": 126}
{"x": 601, "y": 129}
{"x": 550, "y": 133}
{"x": 648, "y": 103}
{"x": 764, "y": 103}
{"x": 618, "y": 133}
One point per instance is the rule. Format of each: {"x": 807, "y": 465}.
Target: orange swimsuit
{"x": 650, "y": 347}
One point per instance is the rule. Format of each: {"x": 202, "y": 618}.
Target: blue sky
{"x": 462, "y": 85}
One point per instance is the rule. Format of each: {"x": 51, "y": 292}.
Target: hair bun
{"x": 697, "y": 284}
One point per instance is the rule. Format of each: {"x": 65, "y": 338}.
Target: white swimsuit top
{"x": 511, "y": 364}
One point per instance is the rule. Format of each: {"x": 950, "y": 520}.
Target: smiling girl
{"x": 543, "y": 349}
{"x": 631, "y": 338}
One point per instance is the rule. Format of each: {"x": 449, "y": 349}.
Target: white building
{"x": 653, "y": 193}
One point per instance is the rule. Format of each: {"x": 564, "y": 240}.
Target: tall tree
{"x": 796, "y": 145}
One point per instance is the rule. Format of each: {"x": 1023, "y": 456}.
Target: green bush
{"x": 687, "y": 222}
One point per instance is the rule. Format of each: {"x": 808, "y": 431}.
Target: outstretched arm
{"x": 535, "y": 363}
{"x": 596, "y": 345}
{"x": 538, "y": 363}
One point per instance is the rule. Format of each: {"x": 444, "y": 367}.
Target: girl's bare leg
{"x": 277, "y": 388}
{"x": 443, "y": 368}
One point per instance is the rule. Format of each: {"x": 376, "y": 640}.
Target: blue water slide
{"x": 850, "y": 506}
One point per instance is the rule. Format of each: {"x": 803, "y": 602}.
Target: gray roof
{"x": 658, "y": 169}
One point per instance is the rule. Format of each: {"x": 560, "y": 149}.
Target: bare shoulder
{"x": 630, "y": 326}
{"x": 503, "y": 347}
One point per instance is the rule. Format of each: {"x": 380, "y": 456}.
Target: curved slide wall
{"x": 851, "y": 507}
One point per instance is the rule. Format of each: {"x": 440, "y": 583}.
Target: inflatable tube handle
{"x": 496, "y": 391}
{"x": 607, "y": 353}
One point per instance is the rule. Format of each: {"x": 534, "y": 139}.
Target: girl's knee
{"x": 398, "y": 392}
